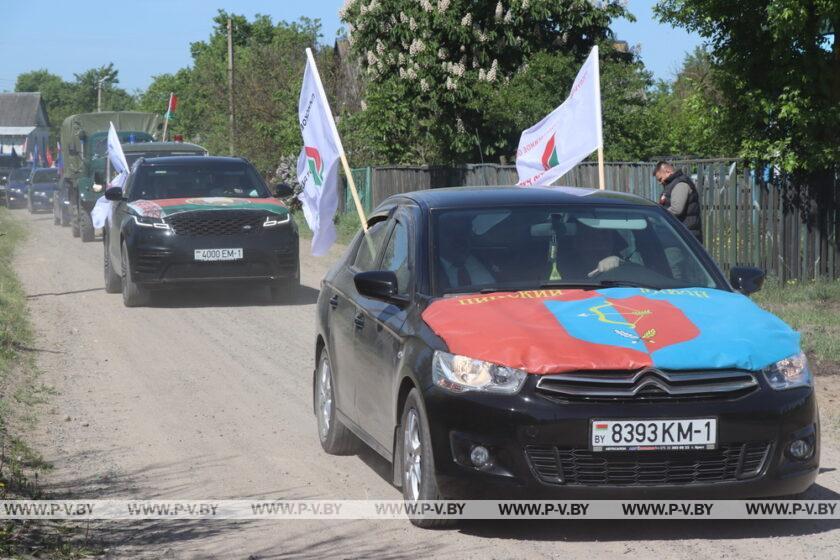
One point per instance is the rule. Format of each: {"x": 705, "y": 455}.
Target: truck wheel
{"x": 56, "y": 214}
{"x": 133, "y": 294}
{"x": 29, "y": 205}
{"x": 86, "y": 227}
{"x": 63, "y": 215}
{"x": 113, "y": 282}
{"x": 74, "y": 225}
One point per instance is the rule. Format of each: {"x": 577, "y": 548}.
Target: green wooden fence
{"x": 750, "y": 216}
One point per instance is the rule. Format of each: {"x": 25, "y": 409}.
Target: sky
{"x": 148, "y": 37}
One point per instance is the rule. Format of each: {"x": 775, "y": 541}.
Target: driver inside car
{"x": 588, "y": 253}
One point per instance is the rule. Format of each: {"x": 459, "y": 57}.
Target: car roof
{"x": 161, "y": 147}
{"x": 470, "y": 197}
{"x": 186, "y": 160}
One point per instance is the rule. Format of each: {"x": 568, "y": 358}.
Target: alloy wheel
{"x": 412, "y": 455}
{"x": 325, "y": 400}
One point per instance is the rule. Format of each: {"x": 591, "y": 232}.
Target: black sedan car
{"x": 42, "y": 186}
{"x": 184, "y": 220}
{"x": 557, "y": 342}
{"x": 17, "y": 185}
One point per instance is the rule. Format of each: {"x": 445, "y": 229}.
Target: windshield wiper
{"x": 599, "y": 284}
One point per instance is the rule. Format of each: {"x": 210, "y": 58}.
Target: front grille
{"x": 582, "y": 467}
{"x": 648, "y": 384}
{"x": 217, "y": 222}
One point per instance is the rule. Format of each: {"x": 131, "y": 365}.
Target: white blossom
{"x": 459, "y": 125}
{"x": 371, "y": 58}
{"x": 443, "y": 5}
{"x": 426, "y": 5}
{"x": 466, "y": 21}
{"x": 508, "y": 17}
{"x": 481, "y": 36}
{"x": 380, "y": 47}
{"x": 402, "y": 72}
{"x": 342, "y": 12}
{"x": 417, "y": 46}
{"x": 403, "y": 17}
{"x": 525, "y": 4}
{"x": 481, "y": 75}
{"x": 499, "y": 11}
{"x": 364, "y": 105}
{"x": 424, "y": 85}
{"x": 441, "y": 54}
{"x": 401, "y": 59}
{"x": 411, "y": 74}
{"x": 412, "y": 24}
{"x": 491, "y": 74}
{"x": 451, "y": 84}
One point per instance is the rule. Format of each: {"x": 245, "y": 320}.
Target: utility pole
{"x": 230, "y": 84}
{"x": 99, "y": 95}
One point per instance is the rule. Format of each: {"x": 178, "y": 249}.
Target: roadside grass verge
{"x": 21, "y": 397}
{"x": 812, "y": 308}
{"x": 346, "y": 226}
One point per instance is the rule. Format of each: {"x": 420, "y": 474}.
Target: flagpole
{"x": 345, "y": 165}
{"x": 600, "y": 121}
{"x": 166, "y": 116}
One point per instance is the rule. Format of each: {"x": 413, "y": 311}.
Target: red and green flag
{"x": 170, "y": 108}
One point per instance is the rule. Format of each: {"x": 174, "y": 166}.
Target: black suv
{"x": 197, "y": 219}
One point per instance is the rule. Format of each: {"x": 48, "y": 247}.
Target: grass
{"x": 812, "y": 308}
{"x": 346, "y": 226}
{"x": 21, "y": 397}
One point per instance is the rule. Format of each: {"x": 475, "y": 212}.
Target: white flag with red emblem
{"x": 317, "y": 167}
{"x": 567, "y": 135}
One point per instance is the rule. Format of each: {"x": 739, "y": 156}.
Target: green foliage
{"x": 443, "y": 62}
{"x": 777, "y": 72}
{"x": 62, "y": 98}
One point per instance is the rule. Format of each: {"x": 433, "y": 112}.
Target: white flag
{"x": 102, "y": 210}
{"x": 567, "y": 135}
{"x": 317, "y": 166}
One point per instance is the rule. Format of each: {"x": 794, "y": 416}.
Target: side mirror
{"x": 746, "y": 279}
{"x": 114, "y": 194}
{"x": 282, "y": 190}
{"x": 379, "y": 284}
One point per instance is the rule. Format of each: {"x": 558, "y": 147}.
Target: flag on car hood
{"x": 556, "y": 331}
{"x": 567, "y": 135}
{"x": 317, "y": 167}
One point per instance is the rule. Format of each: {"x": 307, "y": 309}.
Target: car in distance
{"x": 17, "y": 186}
{"x": 8, "y": 162}
{"x": 557, "y": 343}
{"x": 43, "y": 183}
{"x": 190, "y": 219}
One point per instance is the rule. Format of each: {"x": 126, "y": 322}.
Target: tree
{"x": 445, "y": 60}
{"x": 778, "y": 74}
{"x": 113, "y": 98}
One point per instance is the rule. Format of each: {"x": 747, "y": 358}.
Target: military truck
{"x": 84, "y": 141}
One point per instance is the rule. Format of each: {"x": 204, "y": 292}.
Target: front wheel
{"x": 418, "y": 463}
{"x": 113, "y": 282}
{"x": 335, "y": 438}
{"x": 133, "y": 294}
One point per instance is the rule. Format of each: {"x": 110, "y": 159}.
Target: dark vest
{"x": 690, "y": 216}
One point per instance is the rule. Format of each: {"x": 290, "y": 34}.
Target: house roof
{"x": 22, "y": 109}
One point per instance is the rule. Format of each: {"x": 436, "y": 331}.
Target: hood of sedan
{"x": 555, "y": 331}
{"x": 169, "y": 206}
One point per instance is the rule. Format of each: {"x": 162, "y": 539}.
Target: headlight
{"x": 96, "y": 187}
{"x": 145, "y": 221}
{"x": 789, "y": 373}
{"x": 274, "y": 221}
{"x": 460, "y": 373}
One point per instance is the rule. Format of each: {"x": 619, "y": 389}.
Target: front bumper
{"x": 42, "y": 200}
{"x": 540, "y": 447}
{"x": 159, "y": 258}
{"x": 15, "y": 198}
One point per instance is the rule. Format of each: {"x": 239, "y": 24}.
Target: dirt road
{"x": 208, "y": 396}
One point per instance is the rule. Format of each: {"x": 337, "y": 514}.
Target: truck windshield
{"x": 233, "y": 179}
{"x": 99, "y": 141}
{"x": 45, "y": 176}
{"x": 522, "y": 248}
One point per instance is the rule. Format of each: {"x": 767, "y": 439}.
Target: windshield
{"x": 529, "y": 247}
{"x": 99, "y": 141}
{"x": 234, "y": 179}
{"x": 21, "y": 174}
{"x": 45, "y": 176}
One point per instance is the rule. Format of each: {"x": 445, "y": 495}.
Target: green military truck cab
{"x": 133, "y": 152}
{"x": 84, "y": 141}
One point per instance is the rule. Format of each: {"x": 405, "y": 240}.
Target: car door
{"x": 119, "y": 213}
{"x": 341, "y": 314}
{"x": 378, "y": 340}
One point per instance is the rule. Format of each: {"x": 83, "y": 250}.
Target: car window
{"x": 395, "y": 257}
{"x": 526, "y": 247}
{"x": 369, "y": 246}
{"x": 201, "y": 178}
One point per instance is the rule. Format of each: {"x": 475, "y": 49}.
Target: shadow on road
{"x": 234, "y": 295}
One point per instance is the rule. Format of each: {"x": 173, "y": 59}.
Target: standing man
{"x": 680, "y": 197}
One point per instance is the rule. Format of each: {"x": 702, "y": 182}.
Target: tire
{"x": 86, "y": 230}
{"x": 418, "y": 463}
{"x": 29, "y": 205}
{"x": 56, "y": 216}
{"x": 133, "y": 294}
{"x": 74, "y": 226}
{"x": 63, "y": 217}
{"x": 285, "y": 289}
{"x": 113, "y": 281}
{"x": 334, "y": 436}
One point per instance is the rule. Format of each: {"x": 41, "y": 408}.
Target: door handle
{"x": 334, "y": 301}
{"x": 359, "y": 320}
